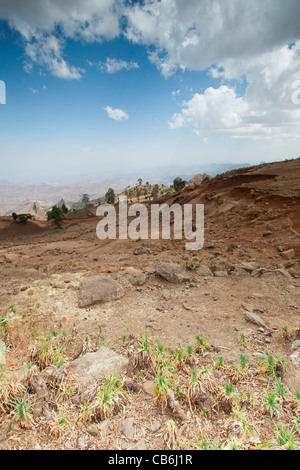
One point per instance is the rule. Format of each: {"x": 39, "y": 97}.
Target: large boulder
{"x": 172, "y": 272}
{"x": 97, "y": 289}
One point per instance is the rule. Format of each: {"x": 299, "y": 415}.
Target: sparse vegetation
{"x": 22, "y": 218}
{"x": 185, "y": 388}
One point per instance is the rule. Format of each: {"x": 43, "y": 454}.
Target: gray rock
{"x": 138, "y": 279}
{"x": 92, "y": 366}
{"x": 172, "y": 272}
{"x": 97, "y": 289}
{"x": 296, "y": 344}
{"x": 282, "y": 272}
{"x": 220, "y": 273}
{"x": 238, "y": 271}
{"x": 127, "y": 428}
{"x": 250, "y": 266}
{"x": 253, "y": 318}
{"x": 203, "y": 271}
{"x": 295, "y": 358}
{"x": 141, "y": 250}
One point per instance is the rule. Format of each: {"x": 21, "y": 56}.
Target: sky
{"x": 118, "y": 86}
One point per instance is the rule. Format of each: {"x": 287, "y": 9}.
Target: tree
{"x": 154, "y": 192}
{"x": 56, "y": 214}
{"x": 110, "y": 196}
{"x": 64, "y": 209}
{"x": 140, "y": 181}
{"x": 85, "y": 199}
{"x": 178, "y": 183}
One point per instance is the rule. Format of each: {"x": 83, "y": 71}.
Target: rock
{"x": 295, "y": 358}
{"x": 296, "y": 344}
{"x": 105, "y": 426}
{"x": 282, "y": 272}
{"x": 172, "y": 272}
{"x": 238, "y": 271}
{"x": 203, "y": 271}
{"x": 250, "y": 266}
{"x": 140, "y": 445}
{"x": 220, "y": 273}
{"x": 141, "y": 250}
{"x": 132, "y": 270}
{"x": 288, "y": 254}
{"x": 253, "y": 318}
{"x": 92, "y": 366}
{"x": 149, "y": 387}
{"x": 138, "y": 279}
{"x": 97, "y": 289}
{"x": 127, "y": 427}
{"x": 84, "y": 442}
{"x": 93, "y": 430}
{"x": 155, "y": 426}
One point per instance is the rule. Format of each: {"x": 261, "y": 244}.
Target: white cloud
{"x": 196, "y": 34}
{"x": 115, "y": 65}
{"x": 37, "y": 21}
{"x": 215, "y": 109}
{"x": 266, "y": 111}
{"x": 46, "y": 51}
{"x": 116, "y": 113}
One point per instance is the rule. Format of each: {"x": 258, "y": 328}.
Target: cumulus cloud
{"x": 265, "y": 111}
{"x": 196, "y": 34}
{"x": 44, "y": 25}
{"x": 116, "y": 113}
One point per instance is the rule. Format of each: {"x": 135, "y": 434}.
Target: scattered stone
{"x": 210, "y": 246}
{"x": 105, "y": 426}
{"x": 97, "y": 289}
{"x": 127, "y": 427}
{"x": 296, "y": 344}
{"x": 141, "y": 250}
{"x": 220, "y": 273}
{"x": 149, "y": 387}
{"x": 203, "y": 270}
{"x": 238, "y": 271}
{"x": 295, "y": 358}
{"x": 92, "y": 429}
{"x": 132, "y": 270}
{"x": 155, "y": 426}
{"x": 92, "y": 366}
{"x": 172, "y": 272}
{"x": 288, "y": 254}
{"x": 250, "y": 266}
{"x": 84, "y": 442}
{"x": 282, "y": 272}
{"x": 138, "y": 279}
{"x": 253, "y": 318}
{"x": 140, "y": 445}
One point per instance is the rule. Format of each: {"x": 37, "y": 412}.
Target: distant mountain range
{"x": 20, "y": 199}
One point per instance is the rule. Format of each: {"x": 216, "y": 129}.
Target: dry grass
{"x": 199, "y": 403}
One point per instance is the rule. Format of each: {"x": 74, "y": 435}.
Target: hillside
{"x": 206, "y": 342}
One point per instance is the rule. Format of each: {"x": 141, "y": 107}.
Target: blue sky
{"x": 116, "y": 86}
